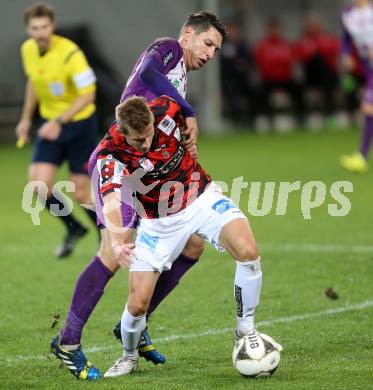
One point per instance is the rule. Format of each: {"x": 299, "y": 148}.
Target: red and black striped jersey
{"x": 173, "y": 177}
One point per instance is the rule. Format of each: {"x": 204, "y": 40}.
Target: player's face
{"x": 361, "y": 3}
{"x": 200, "y": 48}
{"x": 41, "y": 29}
{"x": 141, "y": 141}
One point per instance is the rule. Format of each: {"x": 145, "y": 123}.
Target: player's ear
{"x": 187, "y": 32}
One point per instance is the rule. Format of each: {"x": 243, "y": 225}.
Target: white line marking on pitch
{"x": 288, "y": 247}
{"x": 292, "y": 247}
{"x": 301, "y": 317}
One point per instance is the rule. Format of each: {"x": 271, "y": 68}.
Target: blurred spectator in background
{"x": 235, "y": 69}
{"x": 318, "y": 52}
{"x": 275, "y": 59}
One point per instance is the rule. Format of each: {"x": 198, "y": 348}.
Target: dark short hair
{"x": 203, "y": 20}
{"x": 39, "y": 10}
{"x": 134, "y": 113}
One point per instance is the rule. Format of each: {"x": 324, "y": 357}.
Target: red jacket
{"x": 275, "y": 58}
{"x": 323, "y": 44}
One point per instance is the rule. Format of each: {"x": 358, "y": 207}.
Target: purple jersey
{"x": 357, "y": 23}
{"x": 160, "y": 70}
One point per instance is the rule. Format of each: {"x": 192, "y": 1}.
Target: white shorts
{"x": 160, "y": 241}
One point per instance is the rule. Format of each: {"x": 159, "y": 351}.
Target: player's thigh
{"x": 194, "y": 247}
{"x": 223, "y": 224}
{"x": 47, "y": 152}
{"x": 82, "y": 185}
{"x": 44, "y": 172}
{"x": 238, "y": 239}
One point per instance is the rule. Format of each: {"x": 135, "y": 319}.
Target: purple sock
{"x": 367, "y": 136}
{"x": 88, "y": 290}
{"x": 169, "y": 280}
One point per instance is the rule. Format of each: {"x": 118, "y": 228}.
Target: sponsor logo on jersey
{"x": 176, "y": 83}
{"x": 177, "y": 134}
{"x": 167, "y": 124}
{"x": 167, "y": 58}
{"x": 165, "y": 154}
{"x": 146, "y": 164}
{"x": 222, "y": 205}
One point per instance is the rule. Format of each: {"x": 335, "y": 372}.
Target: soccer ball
{"x": 256, "y": 355}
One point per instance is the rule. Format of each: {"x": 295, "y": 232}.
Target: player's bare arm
{"x": 28, "y": 109}
{"x": 118, "y": 237}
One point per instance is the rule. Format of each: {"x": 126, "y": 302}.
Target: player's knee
{"x": 34, "y": 175}
{"x": 367, "y": 108}
{"x": 194, "y": 247}
{"x": 137, "y": 307}
{"x": 246, "y": 249}
{"x": 105, "y": 253}
{"x": 82, "y": 195}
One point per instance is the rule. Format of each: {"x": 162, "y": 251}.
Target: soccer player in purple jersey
{"x": 357, "y": 23}
{"x": 160, "y": 70}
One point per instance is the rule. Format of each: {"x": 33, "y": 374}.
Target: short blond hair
{"x": 134, "y": 113}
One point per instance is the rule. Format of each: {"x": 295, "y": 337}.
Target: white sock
{"x": 247, "y": 286}
{"x": 131, "y": 329}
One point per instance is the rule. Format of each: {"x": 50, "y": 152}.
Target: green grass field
{"x": 328, "y": 344}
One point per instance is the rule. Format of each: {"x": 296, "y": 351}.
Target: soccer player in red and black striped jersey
{"x": 143, "y": 157}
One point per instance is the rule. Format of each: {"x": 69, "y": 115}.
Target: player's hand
{"x": 22, "y": 130}
{"x": 50, "y": 130}
{"x": 123, "y": 254}
{"x": 190, "y": 135}
{"x": 193, "y": 150}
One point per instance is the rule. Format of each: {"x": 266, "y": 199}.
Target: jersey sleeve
{"x": 111, "y": 173}
{"x": 160, "y": 59}
{"x": 24, "y": 55}
{"x": 81, "y": 74}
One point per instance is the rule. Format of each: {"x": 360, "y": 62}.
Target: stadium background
{"x": 119, "y": 31}
{"x": 328, "y": 342}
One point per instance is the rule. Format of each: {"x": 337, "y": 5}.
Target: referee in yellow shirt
{"x": 61, "y": 82}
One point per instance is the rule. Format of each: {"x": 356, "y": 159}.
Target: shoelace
{"x": 79, "y": 359}
{"x": 120, "y": 361}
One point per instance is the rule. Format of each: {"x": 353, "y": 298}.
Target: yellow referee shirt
{"x": 59, "y": 76}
